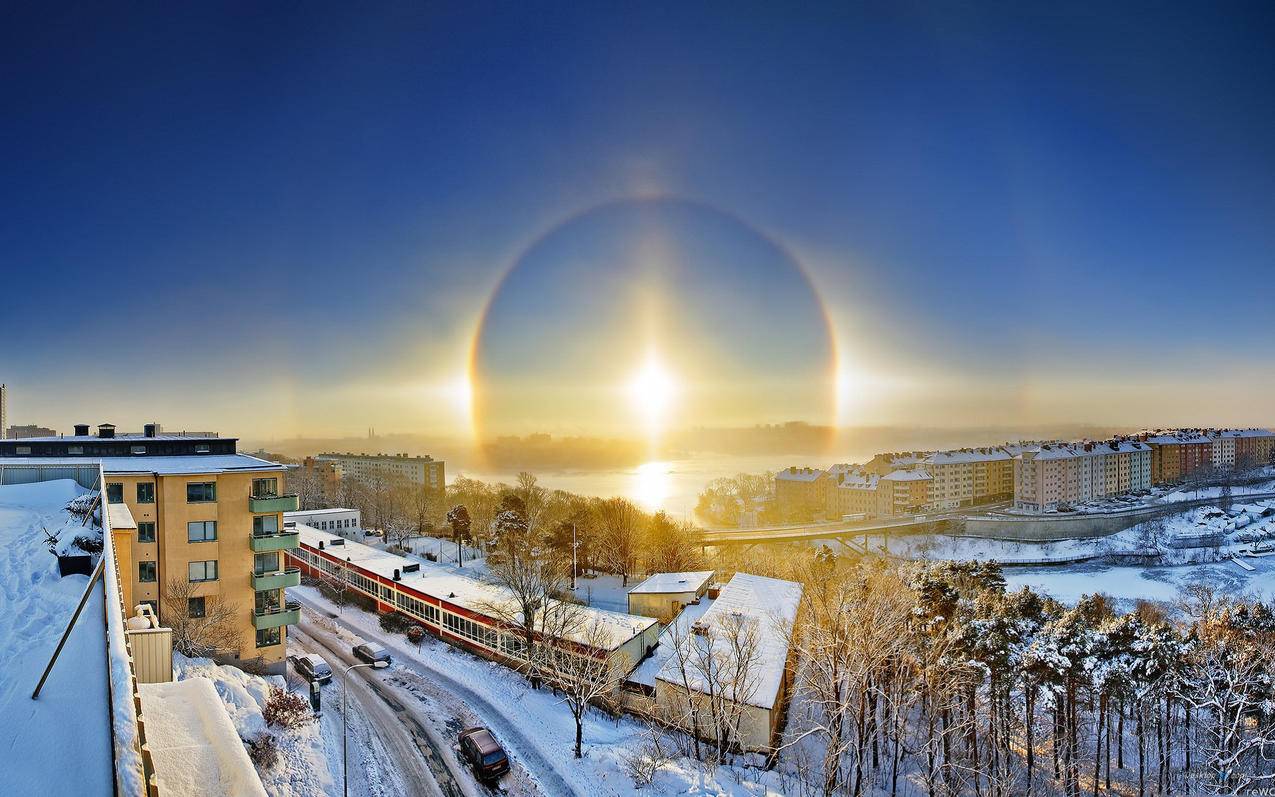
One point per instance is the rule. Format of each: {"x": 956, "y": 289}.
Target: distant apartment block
{"x": 4, "y": 410}
{"x": 1061, "y": 474}
{"x": 425, "y": 471}
{"x": 192, "y": 510}
{"x": 801, "y": 492}
{"x": 968, "y": 476}
{"x": 1179, "y": 454}
{"x": 17, "y": 432}
{"x": 347, "y": 523}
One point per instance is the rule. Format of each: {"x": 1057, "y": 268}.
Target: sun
{"x": 652, "y": 391}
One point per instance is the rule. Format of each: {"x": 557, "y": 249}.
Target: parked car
{"x": 371, "y": 653}
{"x": 483, "y": 753}
{"x": 312, "y": 667}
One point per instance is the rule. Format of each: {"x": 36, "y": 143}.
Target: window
{"x": 114, "y": 492}
{"x": 265, "y": 488}
{"x": 194, "y": 607}
{"x": 75, "y": 449}
{"x": 203, "y": 571}
{"x": 22, "y": 450}
{"x": 145, "y": 531}
{"x": 137, "y": 449}
{"x": 146, "y": 572}
{"x": 201, "y": 492}
{"x": 268, "y": 636}
{"x": 201, "y": 531}
{"x": 265, "y": 563}
{"x": 146, "y": 492}
{"x": 202, "y": 448}
{"x": 265, "y": 525}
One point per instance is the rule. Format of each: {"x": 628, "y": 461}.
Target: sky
{"x": 283, "y": 219}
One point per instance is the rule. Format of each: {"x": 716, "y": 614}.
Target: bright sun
{"x": 652, "y": 390}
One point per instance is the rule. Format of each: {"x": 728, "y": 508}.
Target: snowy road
{"x": 413, "y": 766}
{"x": 417, "y": 675}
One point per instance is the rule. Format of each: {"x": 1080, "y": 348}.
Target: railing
{"x": 265, "y": 502}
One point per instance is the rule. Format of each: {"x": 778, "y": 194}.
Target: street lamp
{"x": 345, "y": 721}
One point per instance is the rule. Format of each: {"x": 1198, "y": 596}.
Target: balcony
{"x": 275, "y": 616}
{"x": 279, "y": 541}
{"x": 263, "y": 504}
{"x": 279, "y": 579}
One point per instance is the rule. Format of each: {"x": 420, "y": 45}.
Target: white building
{"x": 663, "y": 595}
{"x": 694, "y": 664}
{"x": 346, "y": 522}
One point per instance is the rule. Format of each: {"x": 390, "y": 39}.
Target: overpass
{"x": 929, "y": 522}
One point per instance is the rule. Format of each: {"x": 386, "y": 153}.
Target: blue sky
{"x": 998, "y": 204}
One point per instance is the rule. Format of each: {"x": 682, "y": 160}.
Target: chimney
{"x": 106, "y": 430}
{"x": 81, "y": 430}
{"x": 150, "y": 429}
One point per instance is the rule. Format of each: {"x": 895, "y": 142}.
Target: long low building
{"x": 460, "y": 609}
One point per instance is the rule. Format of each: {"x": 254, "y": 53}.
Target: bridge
{"x": 846, "y": 533}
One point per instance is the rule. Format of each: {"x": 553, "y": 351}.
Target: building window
{"x": 268, "y": 636}
{"x": 265, "y": 525}
{"x": 265, "y": 488}
{"x": 265, "y": 563}
{"x": 114, "y": 493}
{"x": 201, "y": 531}
{"x": 137, "y": 449}
{"x": 75, "y": 449}
{"x": 203, "y": 571}
{"x": 202, "y": 448}
{"x": 145, "y": 532}
{"x": 22, "y": 450}
{"x": 201, "y": 492}
{"x": 146, "y": 492}
{"x": 194, "y": 607}
{"x": 147, "y": 572}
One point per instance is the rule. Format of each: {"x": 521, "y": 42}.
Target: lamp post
{"x": 345, "y": 721}
{"x": 575, "y": 544}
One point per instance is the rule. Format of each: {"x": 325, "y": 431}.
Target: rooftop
{"x": 175, "y": 465}
{"x": 795, "y": 474}
{"x": 674, "y": 582}
{"x": 313, "y": 512}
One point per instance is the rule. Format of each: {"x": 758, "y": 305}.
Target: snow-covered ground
{"x": 534, "y": 725}
{"x": 1190, "y": 547}
{"x": 302, "y": 769}
{"x": 61, "y": 743}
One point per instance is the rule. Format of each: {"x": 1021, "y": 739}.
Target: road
{"x": 820, "y": 531}
{"x": 412, "y": 748}
{"x": 419, "y": 676}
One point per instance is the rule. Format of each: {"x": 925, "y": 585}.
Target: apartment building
{"x": 1250, "y": 447}
{"x": 967, "y": 476}
{"x": 1067, "y": 473}
{"x": 801, "y": 492}
{"x": 17, "y": 431}
{"x": 851, "y": 491}
{"x": 1179, "y": 454}
{"x": 195, "y": 514}
{"x": 904, "y": 492}
{"x": 425, "y": 471}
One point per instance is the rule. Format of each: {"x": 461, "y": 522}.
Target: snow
{"x": 674, "y": 582}
{"x": 196, "y": 750}
{"x": 534, "y": 726}
{"x": 68, "y": 730}
{"x": 646, "y": 672}
{"x": 302, "y": 769}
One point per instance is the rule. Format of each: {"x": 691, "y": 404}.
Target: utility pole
{"x": 574, "y": 545}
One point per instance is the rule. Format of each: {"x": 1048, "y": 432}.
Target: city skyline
{"x": 1016, "y": 218}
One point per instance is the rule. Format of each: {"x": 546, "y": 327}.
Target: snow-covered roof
{"x": 92, "y": 438}
{"x": 121, "y": 517}
{"x": 966, "y": 455}
{"x": 917, "y": 475}
{"x": 765, "y": 609}
{"x": 312, "y": 512}
{"x": 164, "y": 466}
{"x": 858, "y": 480}
{"x": 61, "y": 743}
{"x": 1179, "y": 438}
{"x": 1086, "y": 449}
{"x": 674, "y": 582}
{"x": 441, "y": 582}
{"x": 646, "y": 672}
{"x": 795, "y": 474}
{"x": 194, "y": 745}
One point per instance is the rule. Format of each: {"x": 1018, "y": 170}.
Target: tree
{"x": 671, "y": 547}
{"x": 458, "y": 518}
{"x": 620, "y": 524}
{"x": 202, "y": 625}
{"x": 580, "y": 666}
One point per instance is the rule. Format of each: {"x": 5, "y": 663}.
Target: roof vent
{"x": 396, "y": 574}
{"x": 150, "y": 429}
{"x": 81, "y": 430}
{"x": 106, "y": 430}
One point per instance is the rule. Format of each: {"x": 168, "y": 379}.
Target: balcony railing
{"x": 260, "y": 504}
{"x": 275, "y": 616}
{"x": 277, "y": 579}
{"x": 274, "y": 541}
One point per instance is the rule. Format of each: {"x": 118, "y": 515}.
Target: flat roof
{"x": 164, "y": 466}
{"x": 308, "y": 512}
{"x": 92, "y": 438}
{"x": 482, "y": 597}
{"x": 120, "y": 516}
{"x": 674, "y": 582}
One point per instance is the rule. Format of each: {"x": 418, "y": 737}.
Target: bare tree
{"x": 621, "y": 525}
{"x": 199, "y": 629}
{"x": 458, "y": 518}
{"x": 576, "y": 660}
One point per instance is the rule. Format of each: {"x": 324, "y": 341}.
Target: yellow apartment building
{"x": 192, "y": 511}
